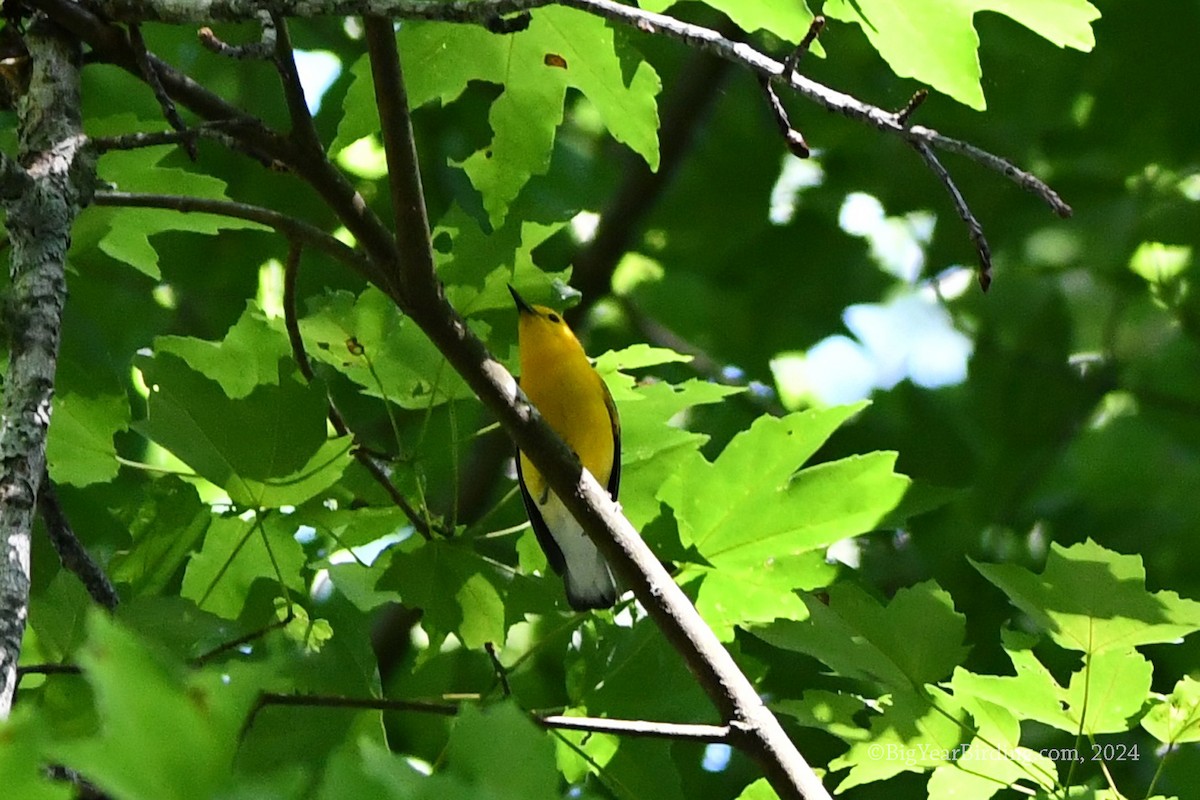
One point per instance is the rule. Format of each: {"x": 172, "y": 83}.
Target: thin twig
{"x": 254, "y": 635}
{"x": 291, "y": 321}
{"x": 262, "y": 49}
{"x": 638, "y": 728}
{"x": 792, "y": 137}
{"x": 974, "y": 229}
{"x": 49, "y": 669}
{"x": 292, "y": 228}
{"x": 622, "y": 727}
{"x": 696, "y": 36}
{"x": 71, "y": 552}
{"x": 216, "y": 131}
{"x": 304, "y": 130}
{"x": 914, "y": 102}
{"x": 300, "y": 354}
{"x": 814, "y": 30}
{"x": 150, "y": 74}
{"x": 501, "y": 672}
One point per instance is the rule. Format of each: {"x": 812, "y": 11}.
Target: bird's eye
{"x": 553, "y": 318}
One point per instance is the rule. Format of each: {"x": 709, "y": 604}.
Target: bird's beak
{"x": 522, "y": 306}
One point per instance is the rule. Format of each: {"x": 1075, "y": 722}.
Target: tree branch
{"x": 39, "y": 220}
{"x": 753, "y": 726}
{"x": 71, "y": 552}
{"x": 621, "y": 727}
{"x": 294, "y": 229}
{"x": 974, "y": 229}
{"x": 416, "y": 262}
{"x": 483, "y": 11}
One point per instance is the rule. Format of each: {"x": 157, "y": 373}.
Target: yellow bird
{"x": 559, "y": 379}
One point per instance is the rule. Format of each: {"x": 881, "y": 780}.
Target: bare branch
{"x": 262, "y": 49}
{"x": 498, "y": 668}
{"x": 483, "y": 11}
{"x": 756, "y": 729}
{"x": 974, "y": 229}
{"x": 621, "y": 727}
{"x": 814, "y": 30}
{"x": 150, "y": 74}
{"x": 304, "y": 130}
{"x": 639, "y": 728}
{"x": 404, "y": 174}
{"x": 914, "y": 102}
{"x": 294, "y": 229}
{"x": 792, "y": 137}
{"x": 216, "y": 131}
{"x": 71, "y": 552}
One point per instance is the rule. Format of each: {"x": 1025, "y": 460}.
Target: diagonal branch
{"x": 71, "y": 552}
{"x": 39, "y": 213}
{"x": 753, "y": 727}
{"x": 974, "y": 229}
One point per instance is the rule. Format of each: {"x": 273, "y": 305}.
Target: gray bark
{"x": 42, "y": 192}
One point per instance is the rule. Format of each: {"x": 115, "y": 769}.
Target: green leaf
{"x": 652, "y": 449}
{"x": 1108, "y": 691}
{"x": 935, "y": 42}
{"x": 789, "y": 21}
{"x": 58, "y": 613}
{"x": 915, "y": 640}
{"x": 833, "y": 712}
{"x": 562, "y": 48}
{"x": 166, "y": 520}
{"x": 130, "y": 229}
{"x": 1175, "y": 719}
{"x": 755, "y": 478}
{"x": 759, "y": 790}
{"x": 1160, "y": 263}
{"x": 1092, "y": 599}
{"x": 79, "y": 445}
{"x": 460, "y": 591}
{"x": 265, "y": 450}
{"x": 236, "y": 553}
{"x": 521, "y": 769}
{"x": 369, "y": 771}
{"x": 246, "y": 358}
{"x": 794, "y": 514}
{"x": 368, "y": 340}
{"x": 638, "y": 356}
{"x": 1032, "y": 693}
{"x": 139, "y": 690}
{"x": 22, "y": 763}
{"x": 732, "y": 596}
{"x": 915, "y": 733}
{"x": 478, "y": 267}
{"x": 1101, "y": 697}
